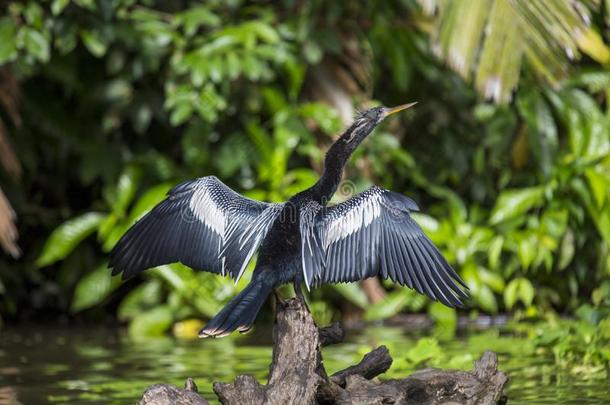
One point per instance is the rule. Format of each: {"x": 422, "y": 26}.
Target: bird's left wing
{"x": 203, "y": 224}
{"x": 372, "y": 234}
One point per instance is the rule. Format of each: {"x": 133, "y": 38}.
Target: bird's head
{"x": 342, "y": 149}
{"x": 366, "y": 121}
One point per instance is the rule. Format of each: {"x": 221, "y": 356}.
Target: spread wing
{"x": 373, "y": 234}
{"x": 201, "y": 223}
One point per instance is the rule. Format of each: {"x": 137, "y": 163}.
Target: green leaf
{"x": 172, "y": 276}
{"x": 510, "y": 294}
{"x": 321, "y": 114}
{"x": 425, "y": 349}
{"x": 495, "y": 250}
{"x": 148, "y": 200}
{"x": 180, "y": 113}
{"x": 35, "y": 43}
{"x": 491, "y": 39}
{"x": 353, "y": 293}
{"x": 126, "y": 189}
{"x": 93, "y": 288}
{"x": 519, "y": 289}
{"x": 542, "y": 128}
{"x": 595, "y": 81}
{"x": 499, "y": 61}
{"x": 67, "y": 236}
{"x": 140, "y": 299}
{"x": 195, "y": 17}
{"x": 87, "y": 4}
{"x": 602, "y": 222}
{"x": 600, "y": 185}
{"x": 491, "y": 279}
{"x": 591, "y": 43}
{"x": 264, "y": 31}
{"x": 443, "y": 316}
{"x": 527, "y": 249}
{"x": 486, "y": 299}
{"x": 94, "y": 43}
{"x": 513, "y": 203}
{"x": 389, "y": 306}
{"x": 151, "y": 323}
{"x": 58, "y": 6}
{"x": 566, "y": 252}
{"x": 587, "y": 125}
{"x": 107, "y": 226}
{"x": 526, "y": 292}
{"x": 33, "y": 14}
{"x": 8, "y": 48}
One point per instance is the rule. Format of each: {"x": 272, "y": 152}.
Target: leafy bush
{"x": 123, "y": 99}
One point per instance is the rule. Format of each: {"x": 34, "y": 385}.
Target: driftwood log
{"x": 297, "y": 375}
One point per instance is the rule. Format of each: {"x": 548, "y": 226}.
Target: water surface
{"x": 95, "y": 365}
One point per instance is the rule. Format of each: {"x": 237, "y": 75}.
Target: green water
{"x": 96, "y": 366}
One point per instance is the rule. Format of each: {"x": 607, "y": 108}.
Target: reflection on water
{"x": 93, "y": 365}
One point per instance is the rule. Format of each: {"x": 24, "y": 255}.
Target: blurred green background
{"x": 104, "y": 105}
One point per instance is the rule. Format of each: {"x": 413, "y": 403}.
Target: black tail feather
{"x": 239, "y": 313}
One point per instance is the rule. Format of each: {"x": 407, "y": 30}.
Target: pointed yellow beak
{"x": 392, "y": 110}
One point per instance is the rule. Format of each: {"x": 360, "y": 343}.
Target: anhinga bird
{"x": 207, "y": 226}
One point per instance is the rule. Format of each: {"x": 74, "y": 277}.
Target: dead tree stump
{"x": 297, "y": 375}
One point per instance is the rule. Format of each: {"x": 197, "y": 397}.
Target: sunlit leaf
{"x": 566, "y": 252}
{"x": 181, "y": 113}
{"x": 35, "y": 43}
{"x": 499, "y": 34}
{"x": 512, "y": 203}
{"x": 93, "y": 288}
{"x": 140, "y": 299}
{"x": 353, "y": 293}
{"x": 8, "y": 48}
{"x": 195, "y": 17}
{"x": 443, "y": 316}
{"x": 594, "y": 80}
{"x": 58, "y": 6}
{"x": 492, "y": 279}
{"x": 425, "y": 349}
{"x": 495, "y": 250}
{"x": 154, "y": 322}
{"x": 486, "y": 299}
{"x": 67, "y": 236}
{"x": 600, "y": 185}
{"x": 527, "y": 249}
{"x": 518, "y": 289}
{"x": 541, "y": 128}
{"x": 390, "y": 305}
{"x": 526, "y": 292}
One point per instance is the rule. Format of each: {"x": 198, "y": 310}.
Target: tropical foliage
{"x": 507, "y": 152}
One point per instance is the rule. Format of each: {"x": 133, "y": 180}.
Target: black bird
{"x": 207, "y": 226}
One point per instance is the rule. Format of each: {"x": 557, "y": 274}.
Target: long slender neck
{"x": 336, "y": 158}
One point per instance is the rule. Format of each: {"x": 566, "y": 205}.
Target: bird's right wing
{"x": 372, "y": 234}
{"x": 203, "y": 224}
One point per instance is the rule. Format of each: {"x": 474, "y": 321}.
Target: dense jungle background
{"x": 104, "y": 105}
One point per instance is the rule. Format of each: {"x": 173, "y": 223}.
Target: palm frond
{"x": 487, "y": 41}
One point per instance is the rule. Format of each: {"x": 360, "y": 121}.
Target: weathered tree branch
{"x": 297, "y": 375}
{"x": 372, "y": 364}
{"x": 163, "y": 394}
{"x": 296, "y": 355}
{"x": 332, "y": 334}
